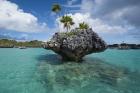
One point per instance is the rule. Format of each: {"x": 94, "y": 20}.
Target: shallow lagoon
{"x": 35, "y": 70}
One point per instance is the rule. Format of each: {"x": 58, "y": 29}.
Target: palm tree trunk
{"x": 67, "y": 28}
{"x": 59, "y": 15}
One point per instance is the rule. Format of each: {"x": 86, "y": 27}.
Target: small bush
{"x": 69, "y": 34}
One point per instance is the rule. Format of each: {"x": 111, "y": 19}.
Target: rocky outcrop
{"x": 75, "y": 44}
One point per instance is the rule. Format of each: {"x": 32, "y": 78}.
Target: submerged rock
{"x": 80, "y": 77}
{"x": 76, "y": 44}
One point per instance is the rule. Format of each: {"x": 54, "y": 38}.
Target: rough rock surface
{"x": 75, "y": 44}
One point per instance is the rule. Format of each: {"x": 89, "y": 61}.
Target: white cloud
{"x": 14, "y": 18}
{"x": 25, "y": 36}
{"x": 70, "y": 2}
{"x": 87, "y": 5}
{"x": 113, "y": 20}
{"x": 97, "y": 24}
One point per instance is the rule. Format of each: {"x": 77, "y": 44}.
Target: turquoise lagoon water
{"x": 36, "y": 70}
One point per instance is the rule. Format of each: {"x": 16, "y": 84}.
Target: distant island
{"x": 6, "y": 43}
{"x": 124, "y": 46}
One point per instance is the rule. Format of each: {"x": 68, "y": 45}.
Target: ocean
{"x": 36, "y": 70}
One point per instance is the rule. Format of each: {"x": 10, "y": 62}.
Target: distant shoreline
{"x": 124, "y": 46}
{"x": 19, "y": 47}
{"x": 5, "y": 43}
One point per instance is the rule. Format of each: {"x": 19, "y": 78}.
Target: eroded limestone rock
{"x": 76, "y": 44}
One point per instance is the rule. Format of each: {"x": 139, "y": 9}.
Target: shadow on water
{"x": 55, "y": 59}
{"x": 92, "y": 74}
{"x": 52, "y": 59}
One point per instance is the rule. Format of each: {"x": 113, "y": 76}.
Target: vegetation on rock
{"x": 69, "y": 34}
{"x": 67, "y": 21}
{"x": 83, "y": 25}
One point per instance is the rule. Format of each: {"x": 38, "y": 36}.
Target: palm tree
{"x": 83, "y": 25}
{"x": 56, "y": 8}
{"x": 67, "y": 21}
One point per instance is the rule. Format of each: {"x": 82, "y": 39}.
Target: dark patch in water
{"x": 52, "y": 59}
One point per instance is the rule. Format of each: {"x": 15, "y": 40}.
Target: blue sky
{"x": 115, "y": 21}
